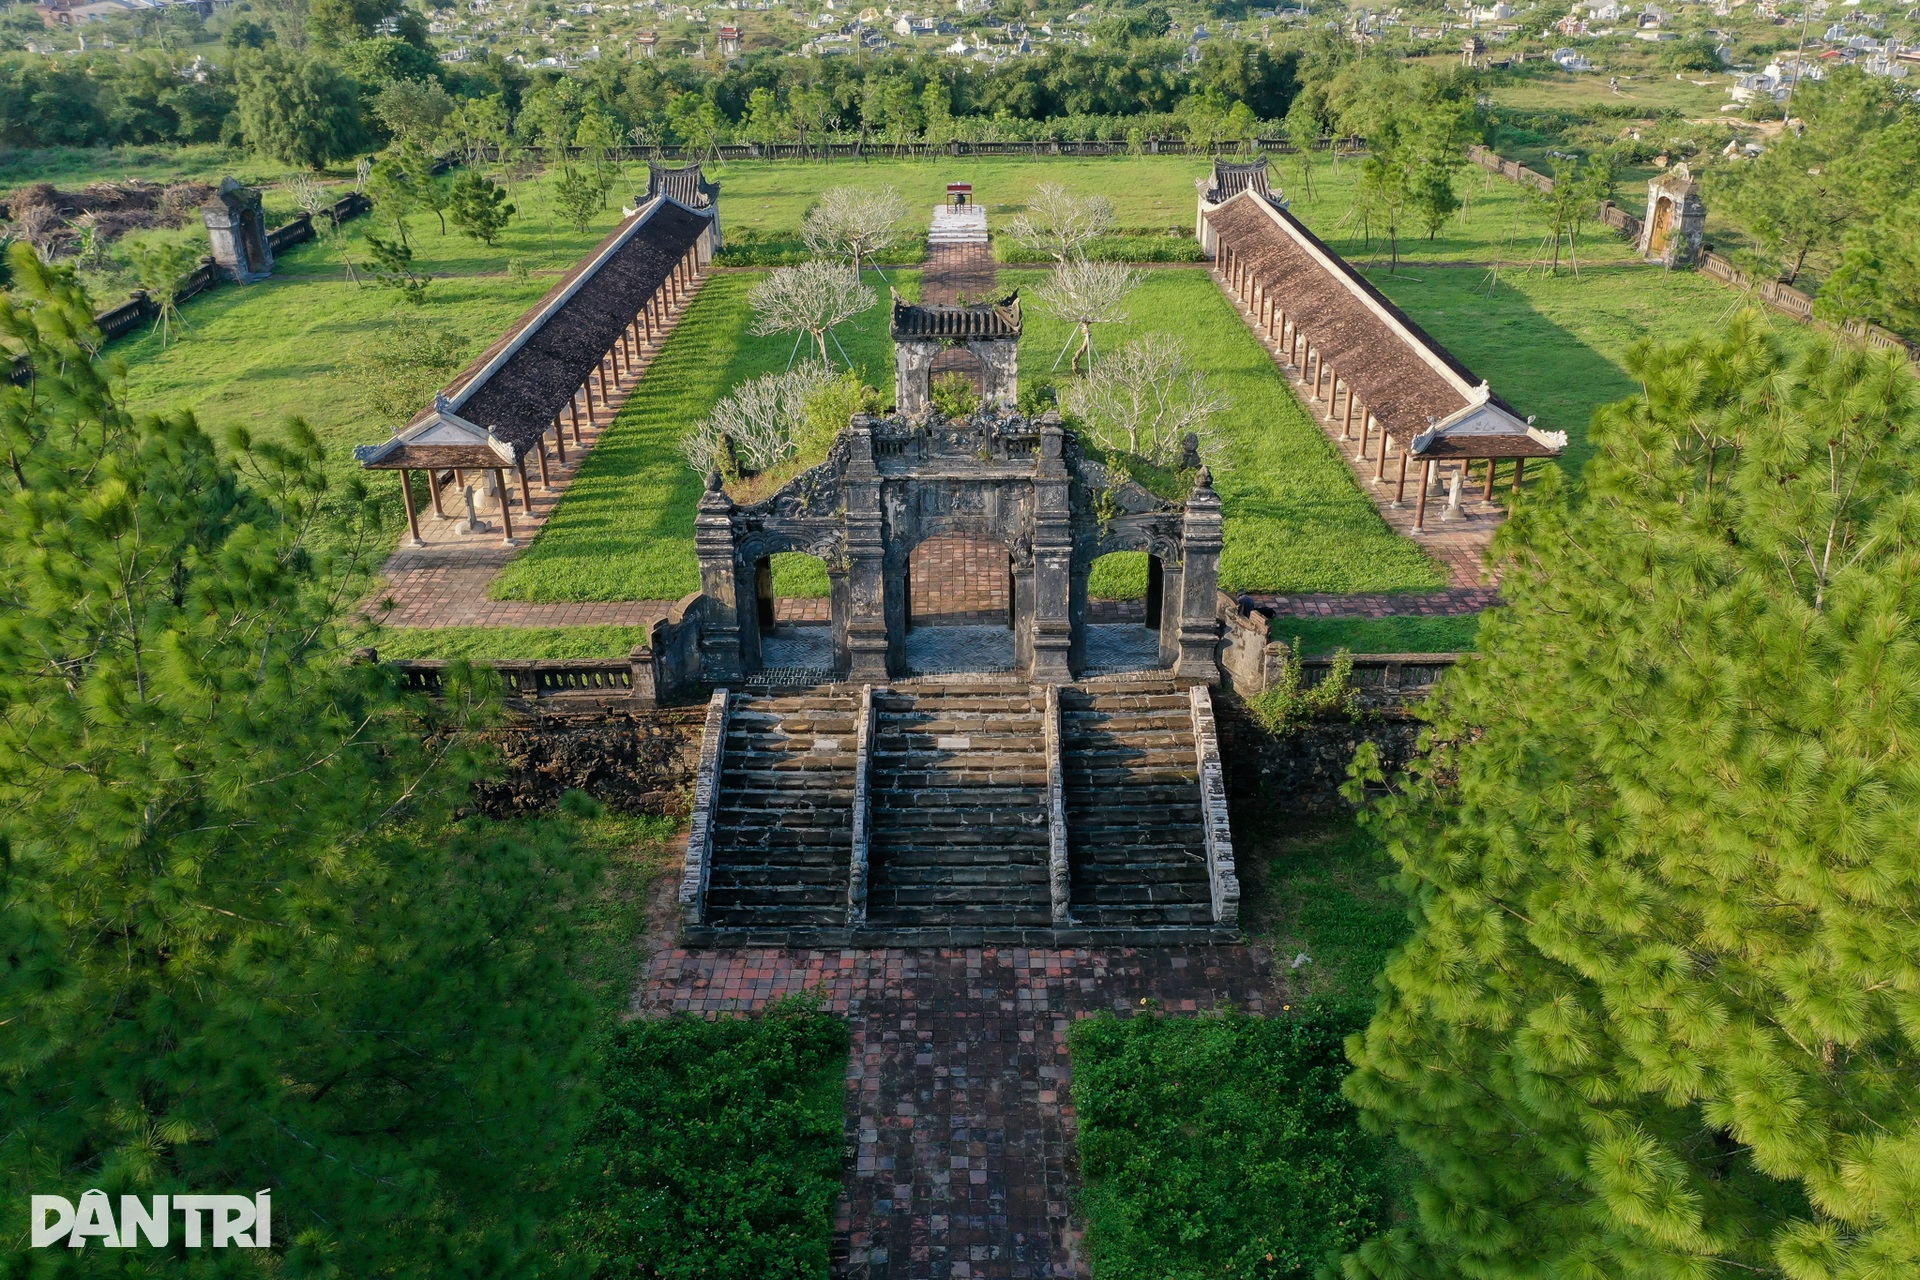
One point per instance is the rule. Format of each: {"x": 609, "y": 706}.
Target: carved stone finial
{"x": 1205, "y": 479}
{"x": 713, "y": 481}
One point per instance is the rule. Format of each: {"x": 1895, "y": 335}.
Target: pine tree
{"x": 480, "y": 207}
{"x": 244, "y": 941}
{"x": 1660, "y": 1018}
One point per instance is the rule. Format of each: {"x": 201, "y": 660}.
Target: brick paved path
{"x": 959, "y": 1119}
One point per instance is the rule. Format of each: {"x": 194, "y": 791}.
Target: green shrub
{"x": 1220, "y": 1146}
{"x": 715, "y": 1152}
{"x": 954, "y": 396}
{"x": 1284, "y": 705}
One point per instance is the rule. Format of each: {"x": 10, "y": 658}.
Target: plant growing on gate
{"x": 1060, "y": 225}
{"x": 1145, "y": 399}
{"x": 1084, "y": 294}
{"x": 808, "y": 300}
{"x": 757, "y": 424}
{"x": 953, "y": 394}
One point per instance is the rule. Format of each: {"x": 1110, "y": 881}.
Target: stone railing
{"x": 1222, "y": 879}
{"x": 857, "y": 860}
{"x": 1057, "y": 865}
{"x": 659, "y": 672}
{"x": 706, "y": 800}
{"x": 861, "y": 150}
{"x": 1252, "y": 661}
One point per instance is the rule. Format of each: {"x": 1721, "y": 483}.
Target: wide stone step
{"x": 798, "y": 877}
{"x": 1107, "y": 916}
{"x": 1003, "y": 854}
{"x": 1009, "y": 881}
{"x": 928, "y": 897}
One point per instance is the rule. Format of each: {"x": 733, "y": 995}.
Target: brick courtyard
{"x": 959, "y": 1115}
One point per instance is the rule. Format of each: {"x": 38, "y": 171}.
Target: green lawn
{"x": 1295, "y": 519}
{"x": 1399, "y": 634}
{"x": 1319, "y": 888}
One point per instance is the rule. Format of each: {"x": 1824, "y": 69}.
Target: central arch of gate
{"x": 891, "y": 483}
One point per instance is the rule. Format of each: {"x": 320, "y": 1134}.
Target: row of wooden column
{"x": 623, "y": 358}
{"x": 1284, "y": 330}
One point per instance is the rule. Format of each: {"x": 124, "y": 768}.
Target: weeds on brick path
{"x": 1220, "y": 1146}
{"x": 715, "y": 1150}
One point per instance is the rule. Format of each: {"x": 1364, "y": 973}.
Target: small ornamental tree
{"x": 1060, "y": 225}
{"x": 1661, "y": 1012}
{"x": 811, "y": 298}
{"x": 1085, "y": 294}
{"x": 1146, "y": 399}
{"x": 854, "y": 222}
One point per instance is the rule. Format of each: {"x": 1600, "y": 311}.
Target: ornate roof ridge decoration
{"x": 445, "y": 433}
{"x": 1229, "y": 179}
{"x": 973, "y": 322}
{"x": 1416, "y": 388}
{"x": 685, "y": 185}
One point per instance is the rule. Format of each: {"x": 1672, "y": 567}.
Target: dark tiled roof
{"x": 416, "y": 457}
{"x": 985, "y": 320}
{"x": 520, "y": 398}
{"x": 1387, "y": 358}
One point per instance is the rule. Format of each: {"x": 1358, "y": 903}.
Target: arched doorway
{"x": 1125, "y": 591}
{"x": 958, "y": 362}
{"x": 1662, "y": 227}
{"x": 959, "y": 606}
{"x": 794, "y": 612}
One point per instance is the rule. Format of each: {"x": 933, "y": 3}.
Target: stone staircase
{"x": 1137, "y": 849}
{"x": 956, "y": 813}
{"x": 783, "y": 824}
{"x": 959, "y": 809}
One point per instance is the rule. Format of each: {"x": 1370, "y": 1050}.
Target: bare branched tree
{"x": 1085, "y": 294}
{"x": 810, "y": 298}
{"x": 1060, "y": 224}
{"x": 855, "y": 223}
{"x": 1145, "y": 399}
{"x": 762, "y": 419}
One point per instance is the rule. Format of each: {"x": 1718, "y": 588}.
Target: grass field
{"x": 1318, "y": 888}
{"x": 1397, "y": 634}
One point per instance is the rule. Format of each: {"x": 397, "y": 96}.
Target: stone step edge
{"x": 938, "y": 936}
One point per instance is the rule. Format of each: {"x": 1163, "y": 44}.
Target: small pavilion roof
{"x": 512, "y": 391}
{"x": 686, "y": 184}
{"x": 1414, "y": 387}
{"x": 1229, "y": 180}
{"x": 981, "y": 321}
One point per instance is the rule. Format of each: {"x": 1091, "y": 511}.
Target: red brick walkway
{"x": 959, "y": 1119}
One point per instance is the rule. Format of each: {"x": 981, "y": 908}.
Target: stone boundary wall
{"x": 140, "y": 308}
{"x": 922, "y": 150}
{"x": 1780, "y": 296}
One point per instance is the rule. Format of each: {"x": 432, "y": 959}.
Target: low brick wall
{"x": 1303, "y": 771}
{"x": 631, "y": 761}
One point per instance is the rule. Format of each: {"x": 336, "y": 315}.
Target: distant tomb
{"x": 237, "y": 228}
{"x": 1676, "y": 222}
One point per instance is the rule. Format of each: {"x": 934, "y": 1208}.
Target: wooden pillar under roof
{"x": 506, "y": 506}
{"x": 1492, "y": 465}
{"x": 1380, "y": 467}
{"x": 413, "y": 516}
{"x": 526, "y": 490}
{"x": 560, "y": 439}
{"x": 1519, "y": 465}
{"x": 1400, "y": 489}
{"x": 1420, "y": 510}
{"x": 433, "y": 489}
{"x": 546, "y": 481}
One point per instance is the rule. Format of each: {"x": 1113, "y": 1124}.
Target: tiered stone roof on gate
{"x": 979, "y": 322}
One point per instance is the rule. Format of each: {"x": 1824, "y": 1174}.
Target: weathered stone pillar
{"x": 1053, "y": 623}
{"x": 727, "y": 609}
{"x": 913, "y": 377}
{"x": 1200, "y": 535}
{"x": 1001, "y": 360}
{"x": 865, "y": 615}
{"x": 1022, "y": 605}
